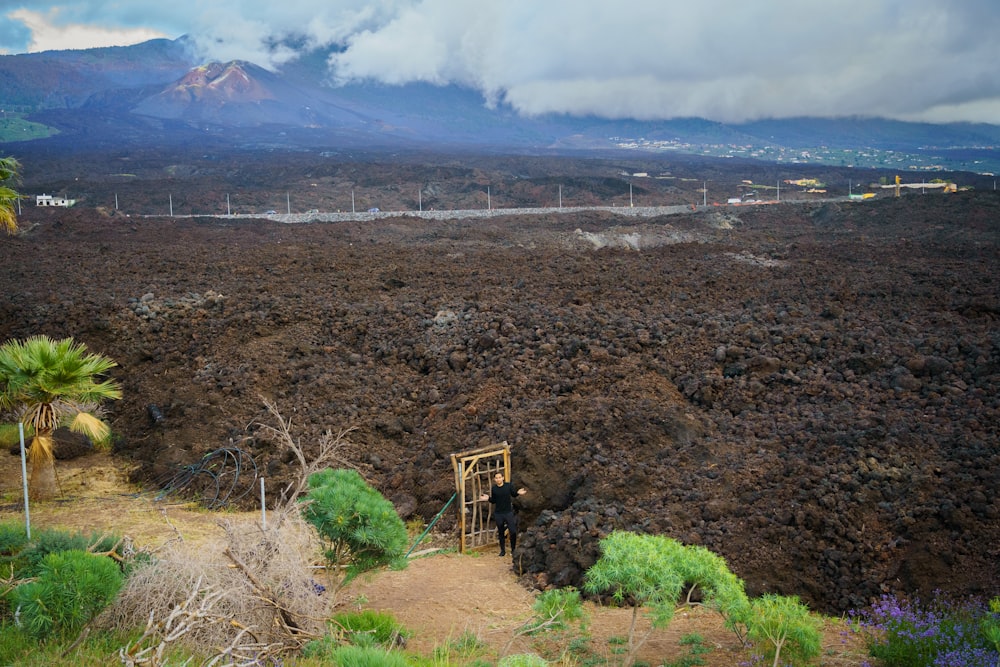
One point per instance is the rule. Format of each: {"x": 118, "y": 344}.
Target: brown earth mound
{"x": 811, "y": 391}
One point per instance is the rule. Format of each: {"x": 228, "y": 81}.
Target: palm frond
{"x": 42, "y": 449}
{"x": 55, "y": 381}
{"x": 91, "y": 426}
{"x": 10, "y": 168}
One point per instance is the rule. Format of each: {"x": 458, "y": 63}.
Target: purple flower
{"x": 942, "y": 633}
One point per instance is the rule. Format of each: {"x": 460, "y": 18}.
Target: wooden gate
{"x": 474, "y": 472}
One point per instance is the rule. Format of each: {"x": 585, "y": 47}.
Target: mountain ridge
{"x": 159, "y": 81}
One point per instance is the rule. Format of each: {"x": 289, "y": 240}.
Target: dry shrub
{"x": 253, "y": 593}
{"x": 260, "y": 584}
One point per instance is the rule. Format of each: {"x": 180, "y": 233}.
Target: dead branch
{"x": 157, "y": 637}
{"x": 265, "y": 595}
{"x": 330, "y": 446}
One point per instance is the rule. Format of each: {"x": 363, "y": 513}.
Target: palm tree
{"x": 9, "y": 169}
{"x": 54, "y": 383}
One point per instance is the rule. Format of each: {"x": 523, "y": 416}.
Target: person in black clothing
{"x": 502, "y": 495}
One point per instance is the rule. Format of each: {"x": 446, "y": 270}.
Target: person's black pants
{"x": 506, "y": 522}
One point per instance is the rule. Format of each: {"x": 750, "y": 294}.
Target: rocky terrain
{"x": 812, "y": 390}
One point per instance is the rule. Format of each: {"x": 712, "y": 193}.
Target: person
{"x": 502, "y": 495}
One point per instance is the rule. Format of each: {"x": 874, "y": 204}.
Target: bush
{"x": 786, "y": 624}
{"x": 462, "y": 649}
{"x": 695, "y": 644}
{"x": 371, "y": 628}
{"x": 13, "y": 537}
{"x": 523, "y": 660}
{"x": 261, "y": 579}
{"x": 943, "y": 633}
{"x": 990, "y": 624}
{"x": 366, "y": 656}
{"x": 360, "y": 529}
{"x": 50, "y": 541}
{"x": 71, "y": 588}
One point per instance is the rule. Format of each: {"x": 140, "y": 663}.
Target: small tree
{"x": 638, "y": 571}
{"x": 360, "y": 529}
{"x": 723, "y": 591}
{"x": 54, "y": 383}
{"x": 787, "y": 625}
{"x": 651, "y": 570}
{"x": 9, "y": 170}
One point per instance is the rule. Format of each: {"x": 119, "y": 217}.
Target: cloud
{"x": 42, "y": 32}
{"x": 723, "y": 60}
{"x": 720, "y": 59}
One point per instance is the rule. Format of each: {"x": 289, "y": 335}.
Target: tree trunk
{"x": 42, "y": 485}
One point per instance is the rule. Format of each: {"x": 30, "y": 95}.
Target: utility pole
{"x": 288, "y": 203}
{"x": 352, "y": 201}
{"x": 560, "y": 196}
{"x": 704, "y": 193}
{"x": 170, "y": 198}
{"x": 489, "y": 202}
{"x": 630, "y": 202}
{"x": 229, "y": 211}
{"x": 420, "y": 200}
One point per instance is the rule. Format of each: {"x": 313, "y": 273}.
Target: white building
{"x": 49, "y": 200}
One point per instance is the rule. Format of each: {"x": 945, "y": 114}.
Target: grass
{"x": 13, "y": 127}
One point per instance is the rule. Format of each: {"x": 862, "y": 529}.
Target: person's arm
{"x": 487, "y": 496}
{"x": 522, "y": 491}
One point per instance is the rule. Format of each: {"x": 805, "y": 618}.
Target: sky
{"x": 724, "y": 60}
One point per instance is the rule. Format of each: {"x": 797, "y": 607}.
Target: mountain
{"x": 68, "y": 79}
{"x": 157, "y": 92}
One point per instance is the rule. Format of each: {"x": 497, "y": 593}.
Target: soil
{"x": 809, "y": 389}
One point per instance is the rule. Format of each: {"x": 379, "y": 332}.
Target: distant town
{"x": 868, "y": 158}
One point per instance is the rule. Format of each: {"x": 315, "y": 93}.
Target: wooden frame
{"x": 474, "y": 470}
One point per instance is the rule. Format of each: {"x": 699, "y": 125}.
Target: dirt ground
{"x": 440, "y": 596}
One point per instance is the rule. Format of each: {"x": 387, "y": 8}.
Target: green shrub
{"x": 71, "y": 588}
{"x": 466, "y": 645}
{"x": 371, "y": 628}
{"x": 13, "y": 537}
{"x": 786, "y": 625}
{"x": 695, "y": 644}
{"x": 44, "y": 542}
{"x": 367, "y": 656}
{"x": 989, "y": 624}
{"x": 53, "y": 540}
{"x": 558, "y": 624}
{"x": 523, "y": 660}
{"x": 360, "y": 529}
{"x": 321, "y": 648}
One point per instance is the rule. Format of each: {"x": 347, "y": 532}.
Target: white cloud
{"x": 721, "y": 59}
{"x": 48, "y": 35}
